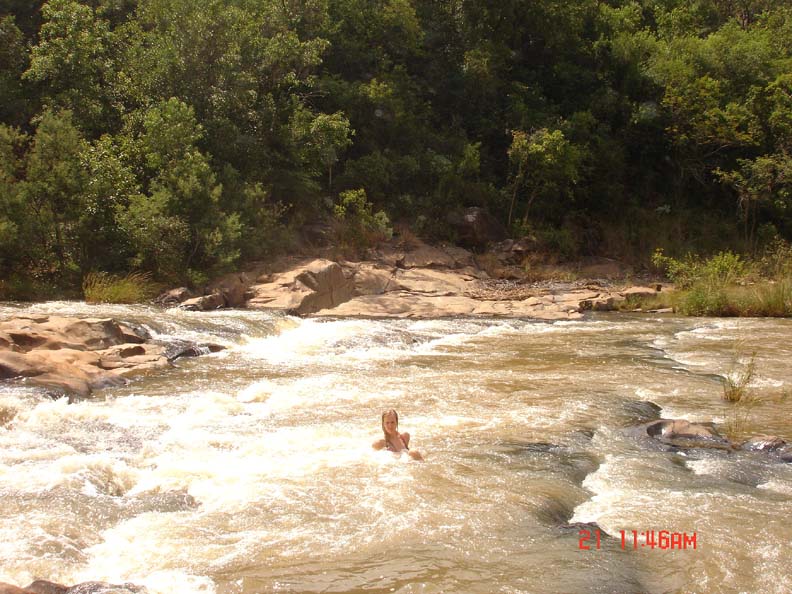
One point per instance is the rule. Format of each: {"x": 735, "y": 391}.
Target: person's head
{"x": 390, "y": 422}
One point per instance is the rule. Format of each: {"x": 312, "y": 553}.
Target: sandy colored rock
{"x": 428, "y": 257}
{"x": 77, "y": 356}
{"x": 637, "y": 292}
{"x": 368, "y": 279}
{"x": 317, "y": 285}
{"x": 438, "y": 282}
{"x": 232, "y": 287}
{"x": 403, "y": 304}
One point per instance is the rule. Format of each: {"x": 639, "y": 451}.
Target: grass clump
{"x": 743, "y": 400}
{"x": 736, "y": 382}
{"x": 727, "y": 285}
{"x": 737, "y": 392}
{"x": 135, "y": 287}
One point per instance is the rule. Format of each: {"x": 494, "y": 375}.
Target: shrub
{"x": 703, "y": 299}
{"x": 721, "y": 269}
{"x": 135, "y": 287}
{"x": 358, "y": 226}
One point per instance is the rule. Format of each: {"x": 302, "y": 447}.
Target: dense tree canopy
{"x": 179, "y": 137}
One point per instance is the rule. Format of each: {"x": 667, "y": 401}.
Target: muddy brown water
{"x": 251, "y": 470}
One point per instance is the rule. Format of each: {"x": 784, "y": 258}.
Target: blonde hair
{"x": 385, "y": 414}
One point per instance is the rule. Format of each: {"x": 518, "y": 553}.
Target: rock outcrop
{"x": 77, "y": 356}
{"x": 420, "y": 282}
{"x": 308, "y": 288}
{"x": 408, "y": 278}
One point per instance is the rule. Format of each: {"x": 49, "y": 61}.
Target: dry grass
{"x": 736, "y": 382}
{"x": 135, "y": 287}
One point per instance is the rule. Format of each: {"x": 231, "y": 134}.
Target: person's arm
{"x": 379, "y": 444}
{"x": 406, "y": 439}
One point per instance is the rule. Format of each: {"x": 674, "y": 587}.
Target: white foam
{"x": 777, "y": 486}
{"x": 258, "y": 391}
{"x": 162, "y": 545}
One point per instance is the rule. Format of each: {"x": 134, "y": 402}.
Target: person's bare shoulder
{"x": 406, "y": 438}
{"x": 379, "y": 444}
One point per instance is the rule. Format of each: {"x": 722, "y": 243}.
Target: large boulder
{"x": 232, "y": 287}
{"x": 476, "y": 228}
{"x": 26, "y": 333}
{"x": 319, "y": 284}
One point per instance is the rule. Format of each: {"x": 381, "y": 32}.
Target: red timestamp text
{"x": 664, "y": 540}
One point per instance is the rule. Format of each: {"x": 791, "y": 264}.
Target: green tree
{"x": 182, "y": 195}
{"x": 52, "y": 192}
{"x": 73, "y": 63}
{"x": 14, "y": 105}
{"x": 546, "y": 167}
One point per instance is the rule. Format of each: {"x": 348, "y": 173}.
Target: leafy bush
{"x": 722, "y": 269}
{"x": 703, "y": 299}
{"x": 135, "y": 287}
{"x": 358, "y": 226}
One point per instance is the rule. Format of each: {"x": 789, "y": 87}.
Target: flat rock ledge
{"x": 426, "y": 282}
{"x": 75, "y": 356}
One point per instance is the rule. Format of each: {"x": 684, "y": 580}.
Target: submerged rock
{"x": 179, "y": 349}
{"x": 682, "y": 434}
{"x": 773, "y": 445}
{"x": 205, "y": 303}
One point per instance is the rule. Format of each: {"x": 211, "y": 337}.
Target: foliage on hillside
{"x": 177, "y": 137}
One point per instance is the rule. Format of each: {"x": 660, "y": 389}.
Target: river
{"x": 251, "y": 470}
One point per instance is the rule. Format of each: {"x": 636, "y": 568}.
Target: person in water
{"x": 394, "y": 441}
